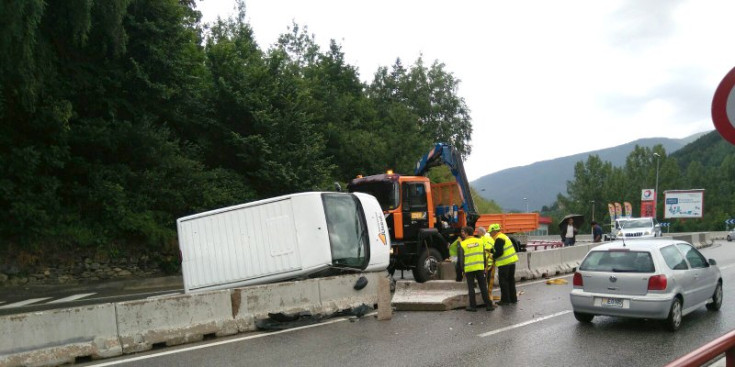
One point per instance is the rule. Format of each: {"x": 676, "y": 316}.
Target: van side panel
{"x": 238, "y": 243}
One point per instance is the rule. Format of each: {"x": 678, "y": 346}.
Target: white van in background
{"x": 631, "y": 228}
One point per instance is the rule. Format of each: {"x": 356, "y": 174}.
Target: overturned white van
{"x": 281, "y": 238}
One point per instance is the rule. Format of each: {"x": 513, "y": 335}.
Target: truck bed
{"x": 510, "y": 222}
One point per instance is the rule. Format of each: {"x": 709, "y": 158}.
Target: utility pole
{"x": 655, "y": 194}
{"x": 593, "y": 209}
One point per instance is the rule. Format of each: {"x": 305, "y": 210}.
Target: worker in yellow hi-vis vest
{"x": 472, "y": 255}
{"x": 489, "y": 263}
{"x": 505, "y": 258}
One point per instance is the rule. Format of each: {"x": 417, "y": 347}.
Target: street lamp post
{"x": 655, "y": 195}
{"x": 593, "y": 210}
{"x": 526, "y": 200}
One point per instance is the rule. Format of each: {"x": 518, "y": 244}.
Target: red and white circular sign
{"x": 723, "y": 107}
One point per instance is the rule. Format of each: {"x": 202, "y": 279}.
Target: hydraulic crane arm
{"x": 443, "y": 153}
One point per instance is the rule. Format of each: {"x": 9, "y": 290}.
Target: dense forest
{"x": 707, "y": 163}
{"x": 119, "y": 116}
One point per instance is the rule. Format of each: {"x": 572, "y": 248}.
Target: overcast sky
{"x": 542, "y": 79}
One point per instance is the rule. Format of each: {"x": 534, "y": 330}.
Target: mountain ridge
{"x": 530, "y": 187}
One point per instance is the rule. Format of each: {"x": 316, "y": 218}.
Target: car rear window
{"x": 618, "y": 261}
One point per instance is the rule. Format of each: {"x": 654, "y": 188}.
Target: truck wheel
{"x": 427, "y": 265}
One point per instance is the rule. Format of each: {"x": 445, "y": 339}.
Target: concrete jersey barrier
{"x": 174, "y": 319}
{"x": 256, "y": 302}
{"x": 338, "y": 293}
{"x": 316, "y": 296}
{"x": 55, "y": 337}
{"x": 523, "y": 271}
{"x": 545, "y": 263}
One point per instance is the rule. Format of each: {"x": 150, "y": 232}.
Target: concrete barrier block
{"x": 447, "y": 271}
{"x": 50, "y": 338}
{"x": 683, "y": 237}
{"x": 173, "y": 320}
{"x": 434, "y": 295}
{"x": 256, "y": 302}
{"x": 385, "y": 311}
{"x": 523, "y": 271}
{"x": 545, "y": 263}
{"x": 572, "y": 256}
{"x": 702, "y": 240}
{"x": 431, "y": 285}
{"x": 337, "y": 293}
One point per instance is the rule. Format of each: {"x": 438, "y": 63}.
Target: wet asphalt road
{"x": 539, "y": 331}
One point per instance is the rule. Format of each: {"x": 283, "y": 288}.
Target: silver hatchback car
{"x": 648, "y": 278}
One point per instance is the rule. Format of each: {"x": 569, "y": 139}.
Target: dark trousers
{"x": 458, "y": 269}
{"x": 480, "y": 276}
{"x": 507, "y": 282}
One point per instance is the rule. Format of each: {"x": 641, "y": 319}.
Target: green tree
{"x": 263, "y": 128}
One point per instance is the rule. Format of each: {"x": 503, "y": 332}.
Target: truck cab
{"x": 419, "y": 232}
{"x": 423, "y": 217}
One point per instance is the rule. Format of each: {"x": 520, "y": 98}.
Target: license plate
{"x": 612, "y": 302}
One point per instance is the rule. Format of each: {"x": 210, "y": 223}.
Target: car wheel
{"x": 427, "y": 266}
{"x": 716, "y": 299}
{"x": 729, "y": 238}
{"x": 583, "y": 317}
{"x": 674, "y": 321}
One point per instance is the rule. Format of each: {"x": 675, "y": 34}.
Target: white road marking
{"x": 235, "y": 340}
{"x": 72, "y": 298}
{"x": 523, "y": 324}
{"x": 24, "y": 303}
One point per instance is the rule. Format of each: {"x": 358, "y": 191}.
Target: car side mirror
{"x": 712, "y": 262}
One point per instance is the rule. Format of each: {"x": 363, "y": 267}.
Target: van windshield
{"x": 637, "y": 223}
{"x": 347, "y": 230}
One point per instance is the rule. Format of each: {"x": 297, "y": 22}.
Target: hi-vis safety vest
{"x": 489, "y": 243}
{"x": 474, "y": 258}
{"x": 509, "y": 252}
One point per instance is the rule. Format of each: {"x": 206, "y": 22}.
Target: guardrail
{"x": 545, "y": 244}
{"x": 700, "y": 356}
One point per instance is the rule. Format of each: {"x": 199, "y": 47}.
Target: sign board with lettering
{"x": 683, "y": 203}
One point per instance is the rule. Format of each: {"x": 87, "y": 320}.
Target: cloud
{"x": 638, "y": 24}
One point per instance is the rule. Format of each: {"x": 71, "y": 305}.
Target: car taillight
{"x": 577, "y": 281}
{"x": 657, "y": 283}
